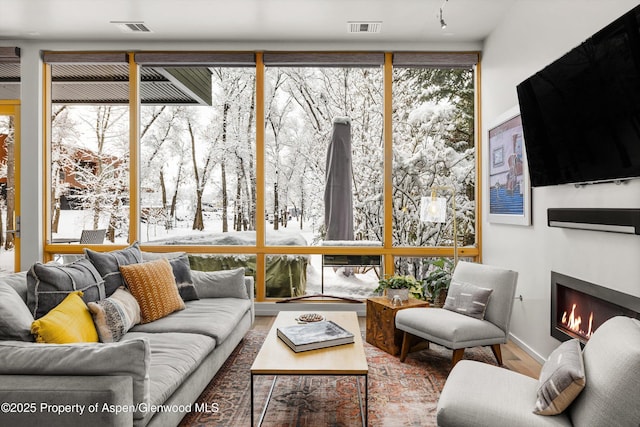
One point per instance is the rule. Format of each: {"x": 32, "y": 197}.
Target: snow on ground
{"x": 6, "y": 261}
{"x": 336, "y": 282}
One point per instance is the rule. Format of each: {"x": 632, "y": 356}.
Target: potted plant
{"x": 437, "y": 281}
{"x": 401, "y": 285}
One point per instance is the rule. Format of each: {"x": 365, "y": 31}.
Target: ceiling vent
{"x": 364, "y": 27}
{"x": 132, "y": 26}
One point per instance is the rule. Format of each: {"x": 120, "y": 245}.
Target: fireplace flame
{"x": 573, "y": 322}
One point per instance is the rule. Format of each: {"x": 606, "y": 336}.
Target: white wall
{"x": 529, "y": 38}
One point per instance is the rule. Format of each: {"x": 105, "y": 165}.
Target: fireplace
{"x": 578, "y": 308}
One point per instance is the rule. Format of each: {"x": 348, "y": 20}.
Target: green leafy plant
{"x": 438, "y": 278}
{"x": 398, "y": 281}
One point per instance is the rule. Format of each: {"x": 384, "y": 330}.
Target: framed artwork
{"x": 509, "y": 187}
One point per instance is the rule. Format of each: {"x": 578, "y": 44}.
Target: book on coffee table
{"x": 312, "y": 336}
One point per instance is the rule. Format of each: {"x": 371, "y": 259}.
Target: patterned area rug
{"x": 400, "y": 394}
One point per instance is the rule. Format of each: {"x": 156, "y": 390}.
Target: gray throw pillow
{"x": 467, "y": 299}
{"x": 561, "y": 380}
{"x": 181, "y": 271}
{"x": 15, "y": 318}
{"x": 18, "y": 281}
{"x": 49, "y": 284}
{"x": 220, "y": 284}
{"x": 108, "y": 264}
{"x": 184, "y": 279}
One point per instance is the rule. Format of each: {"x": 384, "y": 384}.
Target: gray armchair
{"x": 478, "y": 394}
{"x": 458, "y": 331}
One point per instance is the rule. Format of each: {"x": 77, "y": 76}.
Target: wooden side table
{"x": 381, "y": 323}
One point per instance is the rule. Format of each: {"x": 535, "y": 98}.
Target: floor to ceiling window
{"x": 307, "y": 169}
{"x": 323, "y": 163}
{"x": 88, "y": 148}
{"x": 434, "y": 152}
{"x": 197, "y": 149}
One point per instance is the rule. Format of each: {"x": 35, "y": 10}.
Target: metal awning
{"x": 9, "y": 80}
{"x": 88, "y": 84}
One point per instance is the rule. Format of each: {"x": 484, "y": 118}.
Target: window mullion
{"x": 388, "y": 163}
{"x": 134, "y": 149}
{"x": 260, "y": 182}
{"x": 46, "y": 157}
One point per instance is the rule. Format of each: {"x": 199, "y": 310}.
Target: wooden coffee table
{"x": 276, "y": 358}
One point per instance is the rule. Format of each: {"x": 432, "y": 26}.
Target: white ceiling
{"x": 323, "y": 21}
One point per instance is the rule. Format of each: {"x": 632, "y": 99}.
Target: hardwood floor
{"x": 518, "y": 360}
{"x": 513, "y": 356}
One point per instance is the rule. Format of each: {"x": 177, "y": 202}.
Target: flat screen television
{"x": 581, "y": 114}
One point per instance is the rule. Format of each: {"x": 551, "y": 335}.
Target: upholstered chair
{"x": 449, "y": 327}
{"x": 477, "y": 394}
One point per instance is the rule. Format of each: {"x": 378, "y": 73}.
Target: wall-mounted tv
{"x": 581, "y": 114}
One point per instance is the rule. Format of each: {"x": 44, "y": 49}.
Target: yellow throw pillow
{"x": 153, "y": 285}
{"x": 68, "y": 322}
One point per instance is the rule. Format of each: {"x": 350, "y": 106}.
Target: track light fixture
{"x": 443, "y": 24}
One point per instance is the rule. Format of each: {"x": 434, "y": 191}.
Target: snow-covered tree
{"x": 7, "y": 200}
{"x": 313, "y": 97}
{"x": 7, "y": 170}
{"x": 159, "y": 148}
{"x": 433, "y": 147}
{"x": 102, "y": 171}
{"x": 64, "y": 141}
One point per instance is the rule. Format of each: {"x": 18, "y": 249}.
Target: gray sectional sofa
{"x": 150, "y": 377}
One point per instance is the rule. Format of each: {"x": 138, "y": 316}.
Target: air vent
{"x": 132, "y": 26}
{"x": 364, "y": 27}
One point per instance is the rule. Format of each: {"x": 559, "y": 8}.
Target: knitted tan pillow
{"x": 153, "y": 285}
